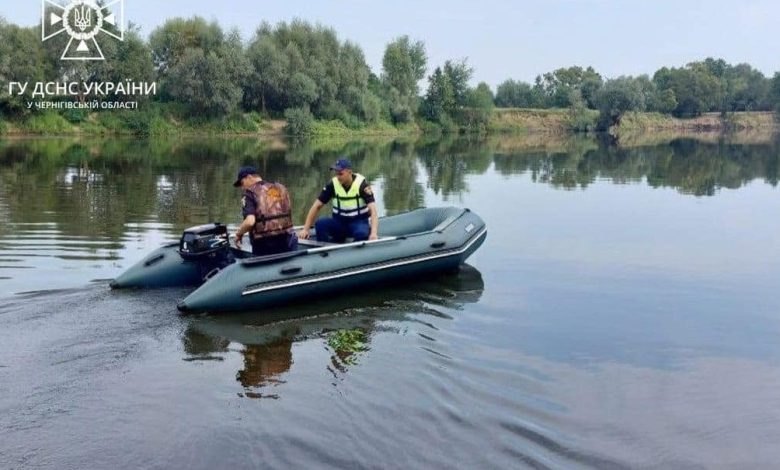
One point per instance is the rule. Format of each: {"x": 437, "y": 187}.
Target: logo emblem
{"x": 83, "y": 21}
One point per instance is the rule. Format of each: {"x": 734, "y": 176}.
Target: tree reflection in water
{"x": 100, "y": 187}
{"x": 99, "y": 195}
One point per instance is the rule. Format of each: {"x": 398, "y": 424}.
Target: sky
{"x": 505, "y": 39}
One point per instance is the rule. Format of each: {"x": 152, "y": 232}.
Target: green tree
{"x": 401, "y": 109}
{"x": 695, "y": 88}
{"x": 479, "y": 107}
{"x": 664, "y": 101}
{"x": 616, "y": 97}
{"x": 301, "y": 91}
{"x": 22, "y": 59}
{"x": 130, "y": 59}
{"x": 209, "y": 82}
{"x": 133, "y": 58}
{"x": 747, "y": 89}
{"x": 448, "y": 92}
{"x": 439, "y": 100}
{"x": 299, "y": 121}
{"x": 403, "y": 65}
{"x": 298, "y": 65}
{"x": 557, "y": 85}
{"x": 579, "y": 120}
{"x": 170, "y": 41}
{"x": 774, "y": 93}
{"x": 458, "y": 74}
{"x": 269, "y": 65}
{"x": 516, "y": 94}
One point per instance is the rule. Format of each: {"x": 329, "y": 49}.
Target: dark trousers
{"x": 336, "y": 229}
{"x": 275, "y": 244}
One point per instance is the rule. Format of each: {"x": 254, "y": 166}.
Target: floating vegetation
{"x": 346, "y": 343}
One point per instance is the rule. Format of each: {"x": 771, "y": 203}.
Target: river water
{"x": 622, "y": 313}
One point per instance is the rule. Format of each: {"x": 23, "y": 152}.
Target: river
{"x": 622, "y": 313}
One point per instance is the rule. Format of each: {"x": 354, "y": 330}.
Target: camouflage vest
{"x": 273, "y": 215}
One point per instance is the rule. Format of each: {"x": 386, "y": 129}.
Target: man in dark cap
{"x": 267, "y": 213}
{"x": 354, "y": 208}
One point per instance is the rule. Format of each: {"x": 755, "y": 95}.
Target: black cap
{"x": 244, "y": 172}
{"x": 341, "y": 164}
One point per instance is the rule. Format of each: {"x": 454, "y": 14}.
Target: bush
{"x": 371, "y": 108}
{"x": 149, "y": 119}
{"x": 351, "y": 121}
{"x": 47, "y": 122}
{"x": 473, "y": 120}
{"x": 239, "y": 123}
{"x": 429, "y": 127}
{"x": 258, "y": 120}
{"x": 582, "y": 119}
{"x": 400, "y": 113}
{"x": 579, "y": 117}
{"x": 329, "y": 127}
{"x": 75, "y": 116}
{"x": 137, "y": 122}
{"x": 448, "y": 126}
{"x": 299, "y": 121}
{"x": 160, "y": 126}
{"x": 110, "y": 122}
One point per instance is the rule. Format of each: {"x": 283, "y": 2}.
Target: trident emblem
{"x": 83, "y": 17}
{"x": 83, "y": 21}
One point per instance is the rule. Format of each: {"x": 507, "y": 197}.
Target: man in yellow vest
{"x": 354, "y": 208}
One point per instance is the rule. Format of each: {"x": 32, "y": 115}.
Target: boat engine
{"x": 208, "y": 246}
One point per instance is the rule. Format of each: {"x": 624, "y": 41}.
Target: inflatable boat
{"x": 410, "y": 245}
{"x": 210, "y": 334}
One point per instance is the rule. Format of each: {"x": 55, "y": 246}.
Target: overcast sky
{"x": 502, "y": 38}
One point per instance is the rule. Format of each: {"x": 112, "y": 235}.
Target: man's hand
{"x": 373, "y": 236}
{"x": 303, "y": 234}
{"x": 238, "y": 240}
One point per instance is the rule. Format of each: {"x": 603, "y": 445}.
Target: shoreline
{"x": 503, "y": 121}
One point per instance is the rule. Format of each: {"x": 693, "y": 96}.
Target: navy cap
{"x": 341, "y": 164}
{"x": 244, "y": 172}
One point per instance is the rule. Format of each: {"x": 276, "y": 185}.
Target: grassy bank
{"x": 150, "y": 122}
{"x": 557, "y": 121}
{"x": 522, "y": 120}
{"x": 154, "y": 122}
{"x": 337, "y": 128}
{"x": 707, "y": 122}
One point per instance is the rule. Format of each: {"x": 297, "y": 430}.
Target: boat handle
{"x": 438, "y": 244}
{"x": 154, "y": 260}
{"x": 290, "y": 270}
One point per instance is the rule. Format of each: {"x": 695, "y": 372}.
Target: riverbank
{"x": 154, "y": 123}
{"x": 562, "y": 121}
{"x": 502, "y": 121}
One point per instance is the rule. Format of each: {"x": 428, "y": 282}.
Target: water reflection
{"x": 74, "y": 203}
{"x": 689, "y": 165}
{"x": 266, "y": 338}
{"x": 99, "y": 187}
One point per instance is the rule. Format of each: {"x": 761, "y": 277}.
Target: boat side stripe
{"x": 376, "y": 267}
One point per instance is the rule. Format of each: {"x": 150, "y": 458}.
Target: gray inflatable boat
{"x": 410, "y": 245}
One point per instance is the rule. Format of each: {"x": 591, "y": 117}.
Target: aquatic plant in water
{"x": 346, "y": 343}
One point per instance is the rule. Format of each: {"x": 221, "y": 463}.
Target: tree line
{"x": 305, "y": 72}
{"x": 711, "y": 85}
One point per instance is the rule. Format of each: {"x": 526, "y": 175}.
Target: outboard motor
{"x": 208, "y": 246}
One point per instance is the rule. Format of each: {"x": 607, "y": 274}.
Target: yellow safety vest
{"x": 350, "y": 203}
